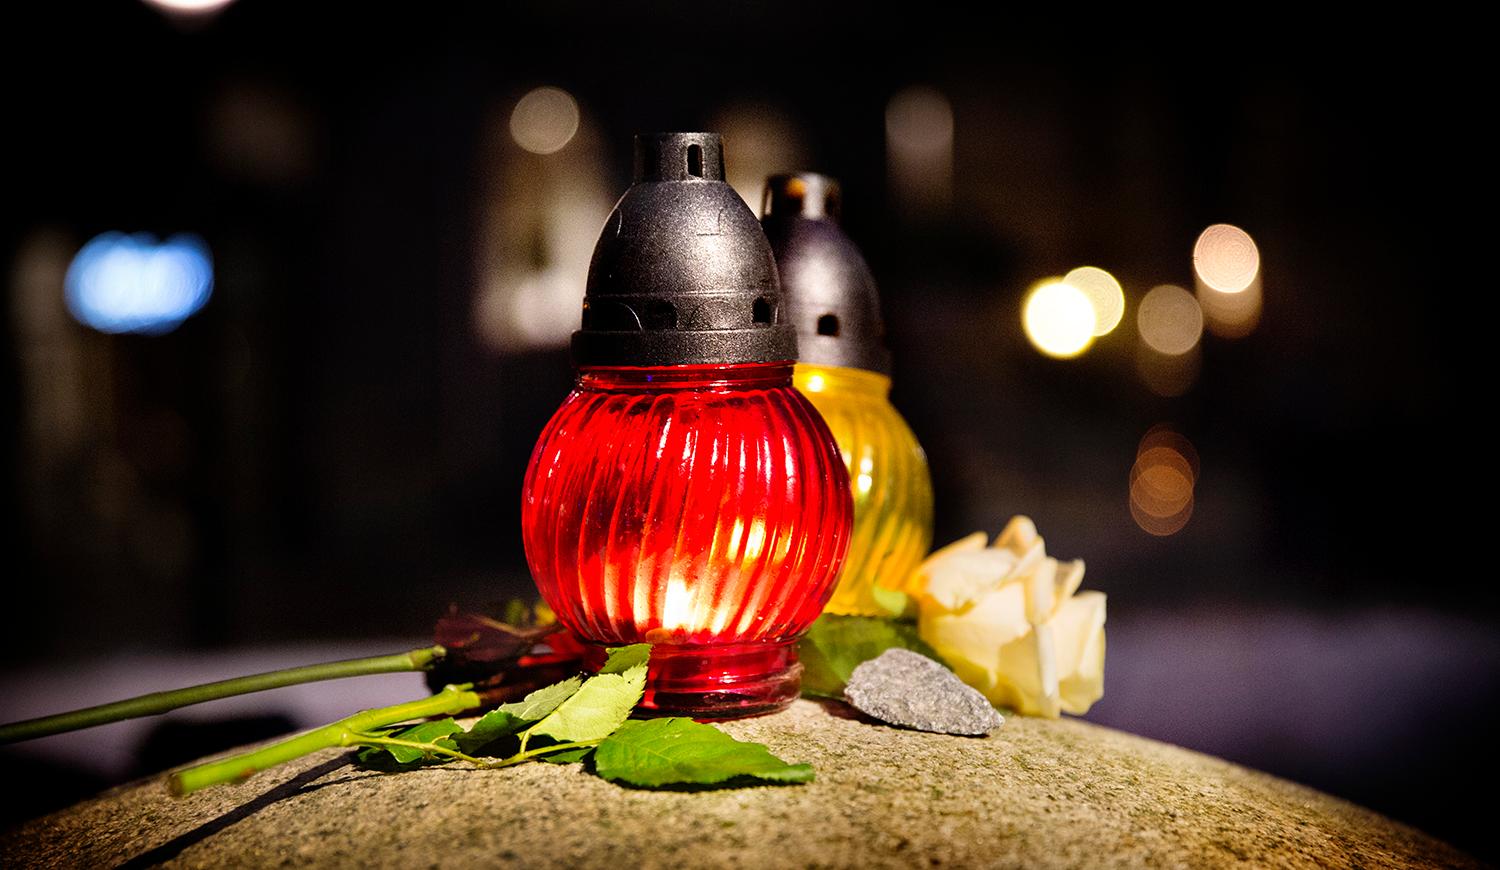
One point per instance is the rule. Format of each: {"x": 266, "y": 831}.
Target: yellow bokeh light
{"x": 545, "y": 120}
{"x": 814, "y": 384}
{"x": 1226, "y": 259}
{"x": 1169, "y": 320}
{"x": 1104, "y": 293}
{"x": 1058, "y": 319}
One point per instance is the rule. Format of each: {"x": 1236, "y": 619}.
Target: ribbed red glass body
{"x": 702, "y": 508}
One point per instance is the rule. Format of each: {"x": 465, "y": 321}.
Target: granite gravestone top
{"x": 1035, "y": 793}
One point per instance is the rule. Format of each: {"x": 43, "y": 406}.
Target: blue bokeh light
{"x": 119, "y": 283}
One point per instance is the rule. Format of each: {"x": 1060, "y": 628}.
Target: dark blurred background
{"x": 398, "y": 208}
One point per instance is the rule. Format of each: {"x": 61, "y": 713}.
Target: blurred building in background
{"x": 289, "y": 296}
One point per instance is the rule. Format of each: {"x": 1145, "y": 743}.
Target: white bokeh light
{"x": 1226, "y": 259}
{"x": 1104, "y": 293}
{"x": 545, "y": 120}
{"x": 1058, "y": 319}
{"x": 1169, "y": 320}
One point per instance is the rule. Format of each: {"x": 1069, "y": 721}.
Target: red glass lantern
{"x": 685, "y": 494}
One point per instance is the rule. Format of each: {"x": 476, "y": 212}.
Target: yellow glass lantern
{"x": 844, "y": 369}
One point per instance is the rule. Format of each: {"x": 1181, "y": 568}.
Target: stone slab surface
{"x": 1034, "y": 794}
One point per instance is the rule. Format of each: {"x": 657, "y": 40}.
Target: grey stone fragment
{"x": 909, "y": 689}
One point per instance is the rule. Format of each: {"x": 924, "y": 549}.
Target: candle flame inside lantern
{"x": 678, "y": 609}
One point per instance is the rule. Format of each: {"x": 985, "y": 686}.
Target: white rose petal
{"x": 1030, "y": 558}
{"x": 972, "y": 638}
{"x": 1079, "y": 628}
{"x": 1026, "y": 680}
{"x": 917, "y": 584}
{"x": 1017, "y": 535}
{"x": 961, "y": 579}
{"x": 1041, "y": 592}
{"x": 1069, "y": 578}
{"x": 971, "y": 541}
{"x": 1010, "y": 621}
{"x": 1046, "y": 657}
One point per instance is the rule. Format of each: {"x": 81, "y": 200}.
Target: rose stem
{"x": 161, "y": 702}
{"x": 349, "y": 731}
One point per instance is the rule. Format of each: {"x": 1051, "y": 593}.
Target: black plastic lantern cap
{"x": 682, "y": 274}
{"x": 831, "y": 298}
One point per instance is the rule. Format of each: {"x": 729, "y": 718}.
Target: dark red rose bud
{"x": 481, "y": 649}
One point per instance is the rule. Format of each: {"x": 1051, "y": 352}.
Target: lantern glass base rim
{"x": 717, "y": 681}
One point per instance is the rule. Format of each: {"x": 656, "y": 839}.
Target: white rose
{"x": 1007, "y": 620}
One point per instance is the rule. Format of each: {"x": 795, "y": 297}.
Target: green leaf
{"x": 435, "y": 732}
{"x": 508, "y": 719}
{"x": 491, "y": 726}
{"x": 836, "y": 645}
{"x": 893, "y": 601}
{"x": 567, "y": 756}
{"x": 538, "y": 704}
{"x": 597, "y": 709}
{"x": 679, "y": 751}
{"x": 623, "y": 658}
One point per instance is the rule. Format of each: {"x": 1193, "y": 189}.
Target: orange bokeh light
{"x": 1162, "y": 482}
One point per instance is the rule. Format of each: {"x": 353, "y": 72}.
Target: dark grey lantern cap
{"x": 831, "y": 299}
{"x": 682, "y": 273}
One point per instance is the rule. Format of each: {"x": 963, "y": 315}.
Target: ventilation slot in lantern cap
{"x": 763, "y": 312}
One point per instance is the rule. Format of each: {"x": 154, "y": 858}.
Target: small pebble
{"x": 909, "y": 689}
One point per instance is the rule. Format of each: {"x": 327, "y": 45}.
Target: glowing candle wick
{"x": 678, "y": 607}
